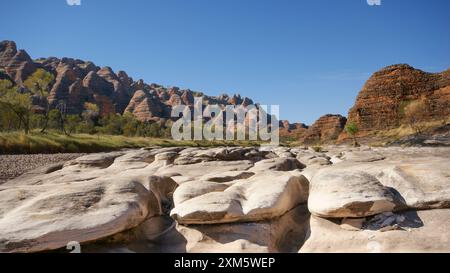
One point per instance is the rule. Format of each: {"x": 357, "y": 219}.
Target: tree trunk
{"x": 355, "y": 142}
{"x": 46, "y": 119}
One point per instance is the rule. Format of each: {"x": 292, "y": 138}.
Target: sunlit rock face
{"x": 268, "y": 199}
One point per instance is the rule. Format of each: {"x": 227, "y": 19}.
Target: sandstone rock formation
{"x": 78, "y": 82}
{"x": 145, "y": 106}
{"x": 422, "y": 231}
{"x": 17, "y": 63}
{"x": 234, "y": 200}
{"x": 380, "y": 104}
{"x": 259, "y": 197}
{"x": 326, "y": 129}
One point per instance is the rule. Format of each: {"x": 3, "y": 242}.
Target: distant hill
{"x": 379, "y": 106}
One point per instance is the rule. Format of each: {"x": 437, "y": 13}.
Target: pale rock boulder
{"x": 162, "y": 189}
{"x": 340, "y": 193}
{"x": 163, "y": 235}
{"x": 132, "y": 156}
{"x": 100, "y": 160}
{"x": 423, "y": 183}
{"x": 283, "y": 152}
{"x": 263, "y": 196}
{"x": 313, "y": 158}
{"x": 227, "y": 176}
{"x": 284, "y": 234}
{"x": 46, "y": 217}
{"x": 190, "y": 190}
{"x": 363, "y": 155}
{"x": 277, "y": 164}
{"x": 193, "y": 156}
{"x": 426, "y": 231}
{"x": 200, "y": 169}
{"x": 416, "y": 181}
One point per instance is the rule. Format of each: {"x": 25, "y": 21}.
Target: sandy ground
{"x": 12, "y": 166}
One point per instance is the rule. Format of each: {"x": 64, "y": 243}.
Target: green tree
{"x": 54, "y": 118}
{"x": 72, "y": 122}
{"x": 130, "y": 126}
{"x": 89, "y": 120}
{"x": 17, "y": 102}
{"x": 39, "y": 84}
{"x": 352, "y": 129}
{"x": 112, "y": 124}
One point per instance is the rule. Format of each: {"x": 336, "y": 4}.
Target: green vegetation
{"x": 16, "y": 107}
{"x": 55, "y": 142}
{"x": 51, "y": 129}
{"x": 352, "y": 129}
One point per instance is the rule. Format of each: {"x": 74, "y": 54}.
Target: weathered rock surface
{"x": 367, "y": 183}
{"x": 380, "y": 104}
{"x": 163, "y": 235}
{"x": 17, "y": 63}
{"x": 284, "y": 234}
{"x": 233, "y": 200}
{"x": 77, "y": 82}
{"x": 145, "y": 106}
{"x": 326, "y": 129}
{"x": 36, "y": 218}
{"x": 428, "y": 231}
{"x": 260, "y": 197}
{"x": 341, "y": 194}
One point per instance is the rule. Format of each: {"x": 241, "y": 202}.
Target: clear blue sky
{"x": 309, "y": 56}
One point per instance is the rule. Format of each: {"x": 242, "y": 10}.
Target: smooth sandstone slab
{"x": 263, "y": 196}
{"x": 200, "y": 169}
{"x": 340, "y": 193}
{"x": 431, "y": 234}
{"x": 277, "y": 164}
{"x": 160, "y": 235}
{"x": 37, "y": 218}
{"x": 284, "y": 234}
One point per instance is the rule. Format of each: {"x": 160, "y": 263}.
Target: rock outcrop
{"x": 146, "y": 106}
{"x": 233, "y": 200}
{"x": 16, "y": 63}
{"x": 77, "y": 82}
{"x": 265, "y": 196}
{"x": 326, "y": 129}
{"x": 381, "y": 103}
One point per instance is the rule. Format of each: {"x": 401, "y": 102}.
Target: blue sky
{"x": 311, "y": 57}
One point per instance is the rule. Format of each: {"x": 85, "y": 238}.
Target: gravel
{"x": 12, "y": 166}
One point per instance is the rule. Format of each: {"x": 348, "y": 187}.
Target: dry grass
{"x": 52, "y": 142}
{"x": 406, "y": 130}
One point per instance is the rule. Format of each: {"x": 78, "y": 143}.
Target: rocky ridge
{"x": 77, "y": 82}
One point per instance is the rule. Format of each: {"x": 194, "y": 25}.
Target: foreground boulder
{"x": 37, "y": 218}
{"x": 367, "y": 184}
{"x": 264, "y": 196}
{"x": 163, "y": 235}
{"x": 284, "y": 234}
{"x": 349, "y": 194}
{"x": 234, "y": 200}
{"x": 427, "y": 231}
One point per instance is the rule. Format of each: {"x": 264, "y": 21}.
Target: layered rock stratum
{"x": 381, "y": 103}
{"x": 78, "y": 82}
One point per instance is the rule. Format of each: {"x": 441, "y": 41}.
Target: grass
{"x": 406, "y": 130}
{"x": 54, "y": 142}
